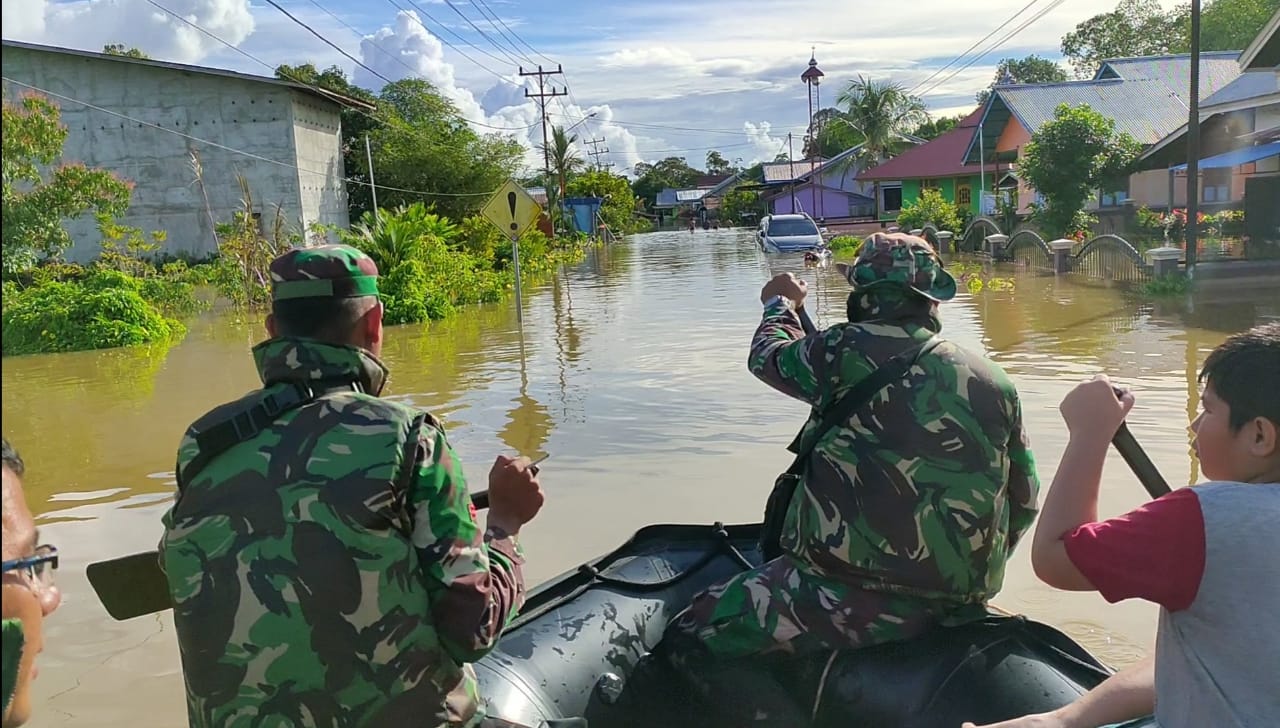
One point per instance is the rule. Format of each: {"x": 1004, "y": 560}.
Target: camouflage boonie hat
{"x": 901, "y": 259}
{"x": 323, "y": 271}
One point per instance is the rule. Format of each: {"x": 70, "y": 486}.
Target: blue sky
{"x": 663, "y": 77}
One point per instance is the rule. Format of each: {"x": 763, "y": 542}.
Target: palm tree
{"x": 560, "y": 151}
{"x": 880, "y": 111}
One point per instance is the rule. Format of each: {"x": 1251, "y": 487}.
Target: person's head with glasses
{"x": 29, "y": 593}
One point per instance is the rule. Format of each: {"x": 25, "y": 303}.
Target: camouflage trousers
{"x": 733, "y": 634}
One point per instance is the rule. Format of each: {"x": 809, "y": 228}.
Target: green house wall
{"x": 947, "y": 186}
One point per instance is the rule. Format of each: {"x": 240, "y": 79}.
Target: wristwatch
{"x": 777, "y": 298}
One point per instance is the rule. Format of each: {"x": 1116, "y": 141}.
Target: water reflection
{"x": 630, "y": 369}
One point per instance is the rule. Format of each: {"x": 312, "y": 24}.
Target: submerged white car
{"x": 788, "y": 234}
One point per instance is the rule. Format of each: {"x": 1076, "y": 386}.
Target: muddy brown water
{"x": 630, "y": 371}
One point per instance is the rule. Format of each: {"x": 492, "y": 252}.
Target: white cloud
{"x": 764, "y": 147}
{"x": 91, "y": 24}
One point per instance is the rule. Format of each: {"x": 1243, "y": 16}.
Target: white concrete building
{"x": 283, "y": 137}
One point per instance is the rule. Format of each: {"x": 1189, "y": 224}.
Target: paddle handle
{"x": 1139, "y": 463}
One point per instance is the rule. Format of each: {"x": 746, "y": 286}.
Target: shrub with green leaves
{"x": 930, "y": 208}
{"x": 104, "y": 311}
{"x": 845, "y": 244}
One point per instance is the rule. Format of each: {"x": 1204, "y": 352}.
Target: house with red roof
{"x": 938, "y": 164}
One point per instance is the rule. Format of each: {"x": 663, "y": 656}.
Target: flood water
{"x": 630, "y": 372}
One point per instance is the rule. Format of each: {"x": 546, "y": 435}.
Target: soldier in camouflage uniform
{"x": 323, "y": 556}
{"x": 904, "y": 518}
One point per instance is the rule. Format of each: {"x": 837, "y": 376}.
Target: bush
{"x": 930, "y": 208}
{"x": 1176, "y": 284}
{"x": 844, "y": 244}
{"x": 104, "y": 311}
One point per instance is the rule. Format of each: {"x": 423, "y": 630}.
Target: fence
{"x": 1105, "y": 257}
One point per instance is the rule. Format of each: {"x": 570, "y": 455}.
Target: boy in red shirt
{"x": 1209, "y": 554}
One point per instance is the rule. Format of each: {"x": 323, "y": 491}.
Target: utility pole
{"x": 373, "y": 190}
{"x": 1193, "y": 142}
{"x": 791, "y": 159}
{"x": 596, "y": 151}
{"x": 542, "y": 97}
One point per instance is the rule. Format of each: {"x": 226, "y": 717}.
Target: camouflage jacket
{"x": 928, "y": 488}
{"x": 329, "y": 572}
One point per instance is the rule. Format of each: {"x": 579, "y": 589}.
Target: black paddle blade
{"x": 130, "y": 586}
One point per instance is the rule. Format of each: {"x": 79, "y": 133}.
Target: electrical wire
{"x": 233, "y": 150}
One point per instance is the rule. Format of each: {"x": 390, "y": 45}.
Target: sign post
{"x": 512, "y": 210}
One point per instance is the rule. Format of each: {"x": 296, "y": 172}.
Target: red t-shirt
{"x": 1155, "y": 552}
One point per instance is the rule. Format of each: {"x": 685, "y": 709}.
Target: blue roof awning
{"x": 1237, "y": 157}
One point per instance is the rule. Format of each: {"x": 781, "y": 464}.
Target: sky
{"x": 652, "y": 79}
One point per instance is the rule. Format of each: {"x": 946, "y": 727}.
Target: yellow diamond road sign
{"x": 512, "y": 209}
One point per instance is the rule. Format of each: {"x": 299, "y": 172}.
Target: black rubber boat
{"x": 579, "y": 635}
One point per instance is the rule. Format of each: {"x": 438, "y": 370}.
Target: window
{"x": 1216, "y": 185}
{"x": 891, "y": 198}
{"x": 789, "y": 228}
{"x": 929, "y": 184}
{"x": 964, "y": 195}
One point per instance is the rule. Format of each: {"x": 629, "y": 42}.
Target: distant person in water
{"x": 904, "y": 514}
{"x": 29, "y": 592}
{"x": 1208, "y": 554}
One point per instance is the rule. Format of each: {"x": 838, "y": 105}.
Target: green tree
{"x": 736, "y": 203}
{"x": 423, "y": 144}
{"x": 356, "y": 123}
{"x": 934, "y": 128}
{"x": 1144, "y": 28}
{"x": 119, "y": 49}
{"x": 1079, "y": 151}
{"x": 1031, "y": 69}
{"x": 37, "y": 201}
{"x": 881, "y": 112}
{"x": 1230, "y": 25}
{"x": 717, "y": 164}
{"x": 1134, "y": 28}
{"x": 564, "y": 160}
{"x": 653, "y": 178}
{"x": 619, "y": 205}
{"x": 834, "y": 134}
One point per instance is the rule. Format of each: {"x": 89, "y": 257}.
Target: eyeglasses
{"x": 37, "y": 568}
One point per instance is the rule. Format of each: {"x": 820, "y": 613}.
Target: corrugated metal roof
{"x": 666, "y": 198}
{"x": 1247, "y": 86}
{"x": 1217, "y": 69}
{"x": 1147, "y": 110}
{"x": 1147, "y": 97}
{"x": 787, "y": 171}
{"x": 940, "y": 157}
{"x": 185, "y": 68}
{"x": 689, "y": 195}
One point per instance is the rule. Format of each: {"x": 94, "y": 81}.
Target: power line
{"x": 484, "y": 35}
{"x": 462, "y": 40}
{"x": 517, "y": 35}
{"x": 303, "y": 82}
{"x": 502, "y": 29}
{"x": 233, "y": 150}
{"x": 1027, "y": 23}
{"x": 966, "y": 52}
{"x": 327, "y": 42}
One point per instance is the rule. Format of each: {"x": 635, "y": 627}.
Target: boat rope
{"x": 724, "y": 547}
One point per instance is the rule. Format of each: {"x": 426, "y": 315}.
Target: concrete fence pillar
{"x": 917, "y": 232}
{"x": 1061, "y": 255}
{"x": 1164, "y": 261}
{"x": 995, "y": 242}
{"x": 944, "y": 241}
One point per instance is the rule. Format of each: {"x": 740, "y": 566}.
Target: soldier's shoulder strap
{"x": 247, "y": 421}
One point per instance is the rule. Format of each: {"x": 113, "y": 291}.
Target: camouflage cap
{"x": 323, "y": 271}
{"x": 901, "y": 259}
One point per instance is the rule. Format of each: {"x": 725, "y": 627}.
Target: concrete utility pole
{"x": 596, "y": 152}
{"x": 542, "y": 97}
{"x": 792, "y": 160}
{"x": 373, "y": 190}
{"x": 1193, "y": 142}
